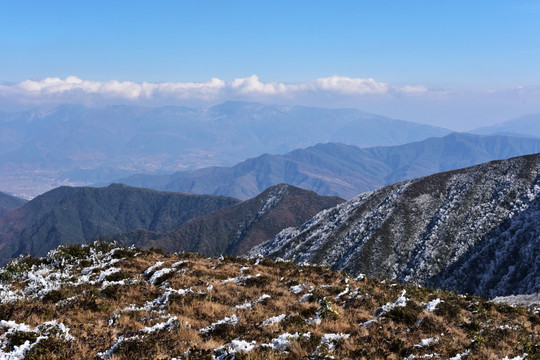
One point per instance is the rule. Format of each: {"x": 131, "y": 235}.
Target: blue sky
{"x": 461, "y": 51}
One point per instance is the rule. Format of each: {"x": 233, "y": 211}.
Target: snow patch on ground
{"x": 233, "y": 320}
{"x": 274, "y": 320}
{"x": 43, "y": 331}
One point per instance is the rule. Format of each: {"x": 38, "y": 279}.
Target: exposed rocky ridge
{"x": 76, "y": 215}
{"x": 236, "y": 229}
{"x": 475, "y": 229}
{"x": 342, "y": 170}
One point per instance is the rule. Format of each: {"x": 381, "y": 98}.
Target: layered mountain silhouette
{"x": 342, "y": 170}
{"x": 170, "y": 221}
{"x": 474, "y": 230}
{"x": 8, "y": 202}
{"x": 527, "y": 126}
{"x": 78, "y": 144}
{"x": 74, "y": 215}
{"x": 236, "y": 229}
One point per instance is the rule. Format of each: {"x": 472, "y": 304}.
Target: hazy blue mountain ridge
{"x": 342, "y": 170}
{"x": 68, "y": 143}
{"x": 526, "y": 126}
{"x": 8, "y": 202}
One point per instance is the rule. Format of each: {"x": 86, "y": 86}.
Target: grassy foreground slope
{"x": 102, "y": 301}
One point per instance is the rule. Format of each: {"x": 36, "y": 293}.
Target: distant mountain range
{"x": 342, "y": 170}
{"x": 235, "y": 229}
{"x": 474, "y": 230}
{"x": 527, "y": 126}
{"x": 74, "y": 144}
{"x": 71, "y": 215}
{"x": 8, "y": 202}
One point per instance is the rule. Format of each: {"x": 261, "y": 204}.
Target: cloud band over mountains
{"x": 451, "y": 108}
{"x": 215, "y": 89}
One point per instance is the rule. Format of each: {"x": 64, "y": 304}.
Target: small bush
{"x": 326, "y": 309}
{"x": 202, "y": 354}
{"x": 104, "y": 246}
{"x": 531, "y": 347}
{"x": 291, "y": 283}
{"x": 111, "y": 292}
{"x": 136, "y": 348}
{"x": 294, "y": 323}
{"x": 258, "y": 281}
{"x": 13, "y": 269}
{"x": 88, "y": 301}
{"x": 123, "y": 253}
{"x": 72, "y": 252}
{"x": 17, "y": 338}
{"x": 31, "y": 260}
{"x": 407, "y": 314}
{"x": 473, "y": 326}
{"x": 447, "y": 309}
{"x": 47, "y": 348}
{"x": 430, "y": 325}
{"x": 118, "y": 276}
{"x": 309, "y": 312}
{"x": 54, "y": 296}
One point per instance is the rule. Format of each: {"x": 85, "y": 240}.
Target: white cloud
{"x": 121, "y": 89}
{"x": 252, "y": 85}
{"x": 346, "y": 85}
{"x": 215, "y": 89}
{"x": 418, "y": 89}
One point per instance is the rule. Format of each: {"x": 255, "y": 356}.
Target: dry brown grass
{"x": 97, "y": 317}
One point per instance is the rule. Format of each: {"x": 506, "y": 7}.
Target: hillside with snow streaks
{"x": 475, "y": 229}
{"x": 235, "y": 229}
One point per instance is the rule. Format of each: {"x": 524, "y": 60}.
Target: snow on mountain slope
{"x": 236, "y": 229}
{"x": 475, "y": 229}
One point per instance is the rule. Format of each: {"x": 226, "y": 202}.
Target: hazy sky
{"x": 458, "y": 64}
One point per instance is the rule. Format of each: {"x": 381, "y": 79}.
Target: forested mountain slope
{"x": 70, "y": 215}
{"x": 235, "y": 229}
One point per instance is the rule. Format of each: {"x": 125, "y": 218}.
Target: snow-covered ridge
{"x": 432, "y": 230}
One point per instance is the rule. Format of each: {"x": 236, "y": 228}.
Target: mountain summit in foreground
{"x": 475, "y": 230}
{"x": 101, "y": 301}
